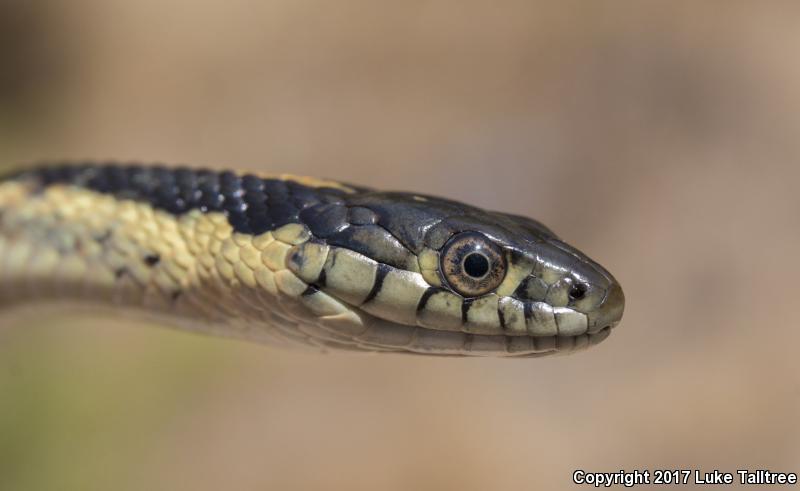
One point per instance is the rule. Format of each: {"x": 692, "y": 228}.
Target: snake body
{"x": 297, "y": 261}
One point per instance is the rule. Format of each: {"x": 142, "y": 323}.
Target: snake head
{"x": 435, "y": 276}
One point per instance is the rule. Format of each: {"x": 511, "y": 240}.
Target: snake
{"x": 296, "y": 261}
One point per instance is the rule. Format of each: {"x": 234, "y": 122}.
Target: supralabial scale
{"x": 297, "y": 261}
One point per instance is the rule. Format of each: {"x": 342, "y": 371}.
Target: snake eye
{"x": 472, "y": 264}
{"x": 578, "y": 291}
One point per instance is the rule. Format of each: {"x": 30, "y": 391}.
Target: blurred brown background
{"x": 663, "y": 138}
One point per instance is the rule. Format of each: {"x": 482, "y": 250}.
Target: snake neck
{"x": 191, "y": 268}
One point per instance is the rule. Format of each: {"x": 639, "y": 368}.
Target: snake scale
{"x": 297, "y": 261}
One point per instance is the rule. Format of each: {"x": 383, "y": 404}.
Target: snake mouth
{"x": 510, "y": 346}
{"x": 386, "y": 336}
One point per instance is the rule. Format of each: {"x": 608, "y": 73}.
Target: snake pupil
{"x": 476, "y": 265}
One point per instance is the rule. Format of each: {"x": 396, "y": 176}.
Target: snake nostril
{"x": 578, "y": 291}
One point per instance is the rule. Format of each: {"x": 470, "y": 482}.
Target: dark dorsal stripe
{"x": 252, "y": 204}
